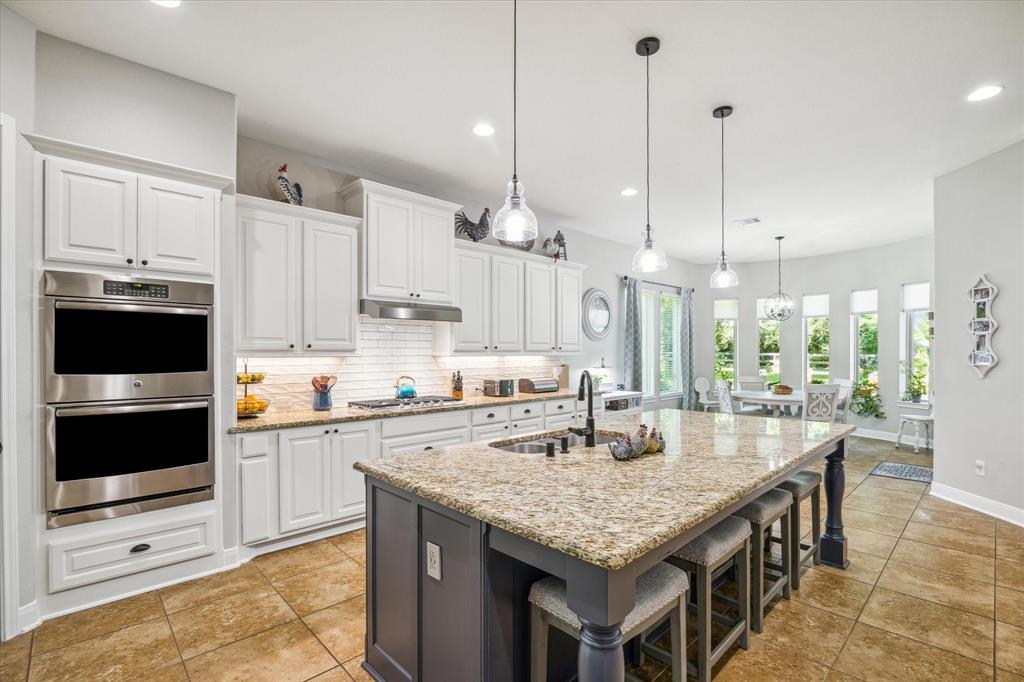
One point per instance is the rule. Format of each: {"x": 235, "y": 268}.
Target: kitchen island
{"x": 456, "y": 535}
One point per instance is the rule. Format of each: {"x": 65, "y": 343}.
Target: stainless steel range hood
{"x": 390, "y": 310}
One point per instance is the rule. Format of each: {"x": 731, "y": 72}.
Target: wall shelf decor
{"x": 982, "y": 326}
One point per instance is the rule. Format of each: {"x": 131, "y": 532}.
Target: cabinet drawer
{"x": 559, "y": 421}
{"x": 423, "y": 423}
{"x": 527, "y": 411}
{"x": 82, "y": 561}
{"x": 492, "y": 432}
{"x": 423, "y": 441}
{"x": 556, "y": 407}
{"x": 490, "y": 415}
{"x": 522, "y": 426}
{"x": 256, "y": 445}
{"x": 581, "y": 406}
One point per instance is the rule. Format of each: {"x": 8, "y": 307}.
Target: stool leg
{"x": 677, "y": 622}
{"x": 899, "y": 435}
{"x": 794, "y": 524}
{"x": 816, "y": 523}
{"x": 703, "y": 624}
{"x": 757, "y": 578}
{"x": 743, "y": 578}
{"x": 787, "y": 553}
{"x": 538, "y": 646}
{"x": 917, "y": 437}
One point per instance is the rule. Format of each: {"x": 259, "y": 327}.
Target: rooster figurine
{"x": 288, "y": 192}
{"x": 475, "y": 231}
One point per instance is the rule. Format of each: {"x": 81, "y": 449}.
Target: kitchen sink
{"x": 538, "y": 446}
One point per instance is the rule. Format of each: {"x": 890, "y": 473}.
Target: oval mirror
{"x": 597, "y": 314}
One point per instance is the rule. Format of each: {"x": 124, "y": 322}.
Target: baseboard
{"x": 246, "y": 553}
{"x": 994, "y": 508}
{"x": 890, "y": 437}
{"x": 28, "y": 617}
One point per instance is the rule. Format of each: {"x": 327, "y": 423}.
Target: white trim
{"x": 248, "y": 552}
{"x": 28, "y": 617}
{"x": 890, "y": 437}
{"x": 1000, "y": 510}
{"x": 10, "y": 618}
{"x": 261, "y": 204}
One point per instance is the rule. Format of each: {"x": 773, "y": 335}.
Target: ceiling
{"x": 845, "y": 111}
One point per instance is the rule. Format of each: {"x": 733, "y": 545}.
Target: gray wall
{"x": 979, "y": 228}
{"x": 885, "y": 268}
{"x": 97, "y": 99}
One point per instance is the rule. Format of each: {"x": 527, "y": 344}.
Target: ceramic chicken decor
{"x": 288, "y": 192}
{"x": 629, "y": 446}
{"x": 475, "y": 231}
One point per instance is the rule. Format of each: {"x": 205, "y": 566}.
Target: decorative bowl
{"x": 251, "y": 407}
{"x": 782, "y": 389}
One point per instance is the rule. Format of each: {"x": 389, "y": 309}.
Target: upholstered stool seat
{"x": 770, "y": 507}
{"x": 801, "y": 485}
{"x": 722, "y": 541}
{"x": 660, "y": 591}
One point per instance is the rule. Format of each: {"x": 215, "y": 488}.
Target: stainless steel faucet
{"x": 589, "y": 432}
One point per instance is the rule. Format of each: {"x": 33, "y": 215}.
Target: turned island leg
{"x": 833, "y": 542}
{"x": 601, "y": 657}
{"x": 602, "y": 599}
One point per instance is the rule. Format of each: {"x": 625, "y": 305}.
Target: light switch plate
{"x": 434, "y": 561}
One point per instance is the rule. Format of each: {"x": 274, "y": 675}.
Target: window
{"x": 661, "y": 316}
{"x": 726, "y": 317}
{"x": 915, "y": 343}
{"x": 817, "y": 365}
{"x": 769, "y": 339}
{"x": 864, "y": 328}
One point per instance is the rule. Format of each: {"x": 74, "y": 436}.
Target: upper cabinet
{"x": 506, "y": 304}
{"x": 99, "y": 215}
{"x": 297, "y": 283}
{"x": 568, "y": 313}
{"x": 409, "y": 243}
{"x": 540, "y": 308}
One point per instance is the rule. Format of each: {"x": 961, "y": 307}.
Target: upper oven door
{"x": 107, "y": 350}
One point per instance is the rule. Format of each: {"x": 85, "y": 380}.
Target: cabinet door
{"x": 267, "y": 288}
{"x": 433, "y": 251}
{"x": 348, "y": 488}
{"x": 304, "y": 479}
{"x": 90, "y": 213}
{"x": 389, "y": 247}
{"x": 330, "y": 286}
{"x": 422, "y": 441}
{"x": 177, "y": 226}
{"x": 473, "y": 282}
{"x": 540, "y": 307}
{"x": 568, "y": 322}
{"x": 255, "y": 499}
{"x": 506, "y": 304}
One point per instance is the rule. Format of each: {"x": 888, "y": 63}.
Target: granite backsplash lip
{"x": 605, "y": 512}
{"x": 338, "y": 415}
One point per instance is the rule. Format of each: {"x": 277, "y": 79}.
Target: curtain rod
{"x": 660, "y": 284}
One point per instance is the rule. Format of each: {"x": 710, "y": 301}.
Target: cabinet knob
{"x": 309, "y": 345}
{"x": 145, "y": 262}
{"x": 335, "y": 430}
{"x": 559, "y": 348}
{"x": 327, "y": 431}
{"x": 495, "y": 348}
{"x": 139, "y": 548}
{"x": 291, "y": 345}
{"x": 411, "y": 294}
{"x": 417, "y": 295}
{"x": 485, "y": 347}
{"x": 552, "y": 347}
{"x": 130, "y": 260}
{"x": 506, "y": 426}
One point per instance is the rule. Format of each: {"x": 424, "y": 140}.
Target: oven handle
{"x": 121, "y": 409}
{"x": 132, "y": 308}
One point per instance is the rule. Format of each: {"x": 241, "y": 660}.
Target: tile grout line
{"x": 174, "y": 637}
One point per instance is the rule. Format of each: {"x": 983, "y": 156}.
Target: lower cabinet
{"x": 561, "y": 421}
{"x": 418, "y": 442}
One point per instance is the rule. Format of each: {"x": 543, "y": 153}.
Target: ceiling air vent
{"x": 743, "y": 222}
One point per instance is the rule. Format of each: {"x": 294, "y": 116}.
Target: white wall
{"x": 885, "y": 268}
{"x": 979, "y": 228}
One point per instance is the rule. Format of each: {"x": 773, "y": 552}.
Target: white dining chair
{"x": 820, "y": 402}
{"x": 706, "y": 398}
{"x": 724, "y": 396}
{"x": 845, "y": 391}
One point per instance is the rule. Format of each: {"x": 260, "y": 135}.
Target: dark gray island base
{"x": 447, "y": 591}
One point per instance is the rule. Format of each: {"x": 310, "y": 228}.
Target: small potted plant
{"x": 598, "y": 379}
{"x": 915, "y": 383}
{"x": 866, "y": 400}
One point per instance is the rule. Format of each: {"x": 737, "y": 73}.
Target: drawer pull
{"x": 490, "y": 415}
{"x": 429, "y": 447}
{"x": 527, "y": 411}
{"x": 561, "y": 407}
{"x": 139, "y": 548}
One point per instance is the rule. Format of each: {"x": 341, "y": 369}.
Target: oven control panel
{"x": 137, "y": 289}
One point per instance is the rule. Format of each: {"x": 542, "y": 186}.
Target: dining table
{"x": 776, "y": 402}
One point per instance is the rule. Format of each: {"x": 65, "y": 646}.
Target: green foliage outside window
{"x": 768, "y": 346}
{"x": 817, "y": 350}
{"x": 867, "y": 348}
{"x": 725, "y": 349}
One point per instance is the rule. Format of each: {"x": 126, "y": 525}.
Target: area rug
{"x": 908, "y": 472}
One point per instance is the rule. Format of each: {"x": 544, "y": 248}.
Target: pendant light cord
{"x": 779, "y": 240}
{"x": 515, "y": 65}
{"x": 723, "y": 187}
{"x": 647, "y": 62}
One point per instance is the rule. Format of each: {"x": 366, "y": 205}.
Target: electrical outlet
{"x": 979, "y": 467}
{"x": 434, "y": 561}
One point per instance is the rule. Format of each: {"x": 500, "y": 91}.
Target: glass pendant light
{"x": 723, "y": 277}
{"x": 515, "y": 222}
{"x": 648, "y": 258}
{"x": 779, "y": 306}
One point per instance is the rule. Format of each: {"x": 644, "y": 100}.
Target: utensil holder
{"x": 322, "y": 401}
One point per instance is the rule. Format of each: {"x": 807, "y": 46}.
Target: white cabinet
{"x": 330, "y": 256}
{"x": 419, "y": 442}
{"x": 350, "y": 443}
{"x": 90, "y": 213}
{"x": 560, "y": 421}
{"x": 297, "y": 279}
{"x": 304, "y": 460}
{"x": 177, "y": 226}
{"x": 98, "y": 215}
{"x": 493, "y": 432}
{"x": 472, "y": 293}
{"x": 540, "y": 307}
{"x": 409, "y": 242}
{"x": 568, "y": 314}
{"x": 506, "y": 304}
{"x": 521, "y": 426}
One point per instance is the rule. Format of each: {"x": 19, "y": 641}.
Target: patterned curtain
{"x": 689, "y": 401}
{"x": 632, "y": 365}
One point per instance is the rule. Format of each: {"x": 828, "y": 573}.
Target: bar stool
{"x": 711, "y": 554}
{"x": 660, "y": 591}
{"x": 803, "y": 484}
{"x": 770, "y": 507}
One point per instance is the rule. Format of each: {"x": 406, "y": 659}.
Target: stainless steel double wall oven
{"x": 128, "y": 375}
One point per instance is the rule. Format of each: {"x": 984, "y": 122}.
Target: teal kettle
{"x": 405, "y": 387}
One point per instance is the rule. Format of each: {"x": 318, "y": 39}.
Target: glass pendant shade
{"x": 515, "y": 222}
{"x": 649, "y": 258}
{"x": 779, "y": 307}
{"x": 724, "y": 277}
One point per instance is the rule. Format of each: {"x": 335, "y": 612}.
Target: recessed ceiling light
{"x": 742, "y": 222}
{"x": 170, "y": 4}
{"x": 628, "y": 192}
{"x": 483, "y": 129}
{"x": 984, "y": 92}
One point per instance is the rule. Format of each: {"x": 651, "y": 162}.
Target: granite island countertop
{"x": 338, "y": 415}
{"x": 592, "y": 507}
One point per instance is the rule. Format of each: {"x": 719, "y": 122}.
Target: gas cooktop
{"x": 403, "y": 403}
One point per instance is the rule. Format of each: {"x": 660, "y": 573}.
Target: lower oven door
{"x": 105, "y": 453}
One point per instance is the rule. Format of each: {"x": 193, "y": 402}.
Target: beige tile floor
{"x": 935, "y": 591}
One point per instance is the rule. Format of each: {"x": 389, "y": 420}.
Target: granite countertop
{"x": 337, "y": 415}
{"x": 605, "y": 512}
